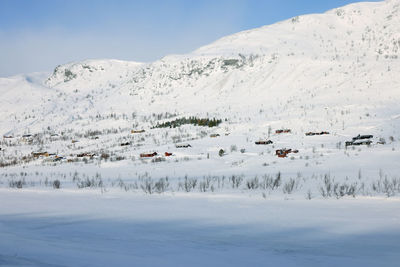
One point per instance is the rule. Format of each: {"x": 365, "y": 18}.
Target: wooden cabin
{"x": 57, "y": 158}
{"x": 167, "y": 154}
{"x": 39, "y": 154}
{"x": 148, "y": 155}
{"x": 90, "y": 155}
{"x": 183, "y": 146}
{"x": 283, "y": 131}
{"x": 362, "y": 142}
{"x": 137, "y": 131}
{"x": 360, "y": 137}
{"x": 349, "y": 143}
{"x": 282, "y": 153}
{"x": 26, "y": 136}
{"x": 214, "y": 135}
{"x": 264, "y": 142}
{"x": 316, "y": 133}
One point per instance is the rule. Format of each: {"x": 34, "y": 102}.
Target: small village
{"x": 29, "y": 140}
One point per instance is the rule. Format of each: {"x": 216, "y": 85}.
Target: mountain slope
{"x": 336, "y": 70}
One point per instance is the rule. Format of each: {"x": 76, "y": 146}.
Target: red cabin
{"x": 282, "y": 153}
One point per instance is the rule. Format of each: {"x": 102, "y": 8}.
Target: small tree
{"x": 221, "y": 152}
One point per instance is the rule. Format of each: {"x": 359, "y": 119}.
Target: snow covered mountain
{"x": 308, "y": 70}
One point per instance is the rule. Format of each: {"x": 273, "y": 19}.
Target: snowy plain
{"x": 86, "y": 228}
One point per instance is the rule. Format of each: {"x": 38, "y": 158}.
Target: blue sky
{"x": 38, "y": 35}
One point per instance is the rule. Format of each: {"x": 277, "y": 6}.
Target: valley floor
{"x": 47, "y": 227}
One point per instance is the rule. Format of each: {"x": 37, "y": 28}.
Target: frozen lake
{"x": 87, "y": 228}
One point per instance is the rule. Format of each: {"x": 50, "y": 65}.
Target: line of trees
{"x": 191, "y": 120}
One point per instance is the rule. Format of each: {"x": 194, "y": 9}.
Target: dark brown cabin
{"x": 137, "y": 131}
{"x": 264, "y": 142}
{"x": 183, "y": 146}
{"x": 148, "y": 155}
{"x": 283, "y": 131}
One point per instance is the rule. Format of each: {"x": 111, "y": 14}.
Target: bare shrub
{"x": 289, "y": 186}
{"x": 188, "y": 184}
{"x": 161, "y": 185}
{"x": 236, "y": 181}
{"x": 277, "y": 181}
{"x": 147, "y": 185}
{"x": 91, "y": 183}
{"x": 252, "y": 183}
{"x": 17, "y": 184}
{"x": 56, "y": 184}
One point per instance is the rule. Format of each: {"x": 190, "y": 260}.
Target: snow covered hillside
{"x": 335, "y": 72}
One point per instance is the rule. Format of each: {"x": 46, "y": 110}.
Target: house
{"x": 360, "y": 137}
{"x": 90, "y": 155}
{"x": 214, "y": 135}
{"x": 358, "y": 142}
{"x": 283, "y": 131}
{"x": 349, "y": 143}
{"x": 265, "y": 142}
{"x": 74, "y": 141}
{"x": 28, "y": 138}
{"x": 316, "y": 133}
{"x": 282, "y": 153}
{"x": 167, "y": 154}
{"x": 39, "y": 154}
{"x": 183, "y": 145}
{"x": 8, "y": 136}
{"x": 137, "y": 131}
{"x": 362, "y": 142}
{"x": 125, "y": 144}
{"x": 57, "y": 158}
{"x": 148, "y": 155}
